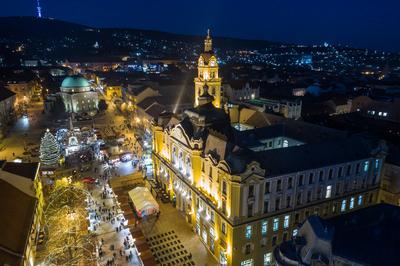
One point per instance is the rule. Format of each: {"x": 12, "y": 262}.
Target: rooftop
{"x": 75, "y": 82}
{"x": 28, "y": 170}
{"x": 17, "y": 210}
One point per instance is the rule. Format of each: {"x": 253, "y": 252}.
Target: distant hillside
{"x": 23, "y": 28}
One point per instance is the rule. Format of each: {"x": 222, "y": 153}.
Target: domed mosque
{"x": 78, "y": 96}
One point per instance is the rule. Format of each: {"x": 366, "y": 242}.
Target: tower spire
{"x": 208, "y": 42}
{"x": 39, "y": 9}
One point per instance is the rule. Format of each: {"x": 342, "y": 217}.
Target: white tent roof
{"x": 143, "y": 201}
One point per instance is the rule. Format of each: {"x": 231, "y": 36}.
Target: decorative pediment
{"x": 224, "y": 166}
{"x": 253, "y": 173}
{"x": 179, "y": 134}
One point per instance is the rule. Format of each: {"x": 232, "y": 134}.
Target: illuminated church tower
{"x": 208, "y": 74}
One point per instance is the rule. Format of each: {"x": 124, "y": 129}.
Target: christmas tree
{"x": 49, "y": 150}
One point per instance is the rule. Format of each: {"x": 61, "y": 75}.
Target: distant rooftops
{"x": 367, "y": 236}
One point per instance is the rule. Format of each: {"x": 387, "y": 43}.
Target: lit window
{"x": 223, "y": 228}
{"x": 351, "y": 203}
{"x": 285, "y": 143}
{"x": 380, "y": 113}
{"x": 286, "y": 221}
{"x": 360, "y": 199}
{"x": 248, "y": 262}
{"x": 264, "y": 228}
{"x": 366, "y": 166}
{"x": 384, "y": 114}
{"x": 328, "y": 192}
{"x": 343, "y": 208}
{"x": 267, "y": 259}
{"x": 372, "y": 112}
{"x": 295, "y": 231}
{"x": 248, "y": 231}
{"x": 376, "y": 163}
{"x": 276, "y": 224}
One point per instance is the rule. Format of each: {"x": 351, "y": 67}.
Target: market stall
{"x": 143, "y": 202}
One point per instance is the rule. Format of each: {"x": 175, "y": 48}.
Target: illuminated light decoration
{"x": 49, "y": 150}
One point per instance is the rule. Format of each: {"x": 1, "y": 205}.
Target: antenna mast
{"x": 39, "y": 9}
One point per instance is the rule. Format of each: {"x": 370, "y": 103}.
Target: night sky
{"x": 359, "y": 23}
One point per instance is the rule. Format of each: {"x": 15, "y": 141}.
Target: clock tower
{"x": 207, "y": 76}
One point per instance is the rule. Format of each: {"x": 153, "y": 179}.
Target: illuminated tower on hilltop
{"x": 208, "y": 74}
{"x": 39, "y": 9}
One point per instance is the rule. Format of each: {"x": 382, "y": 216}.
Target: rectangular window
{"x": 251, "y": 191}
{"x": 366, "y": 166}
{"x": 279, "y": 185}
{"x": 343, "y": 207}
{"x": 288, "y": 201}
{"x": 290, "y": 182}
{"x": 223, "y": 187}
{"x": 248, "y": 262}
{"x": 286, "y": 221}
{"x": 266, "y": 206}
{"x": 223, "y": 228}
{"x": 340, "y": 171}
{"x": 376, "y": 163}
{"x": 248, "y": 231}
{"x": 358, "y": 168}
{"x": 330, "y": 174}
{"x": 299, "y": 198}
{"x": 328, "y": 192}
{"x": 348, "y": 171}
{"x": 264, "y": 228}
{"x": 321, "y": 176}
{"x": 267, "y": 188}
{"x": 277, "y": 204}
{"x": 360, "y": 200}
{"x": 311, "y": 179}
{"x": 301, "y": 177}
{"x": 276, "y": 224}
{"x": 295, "y": 231}
{"x": 250, "y": 210}
{"x": 267, "y": 259}
{"x": 351, "y": 203}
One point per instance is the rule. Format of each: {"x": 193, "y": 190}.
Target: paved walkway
{"x": 172, "y": 223}
{"x": 116, "y": 245}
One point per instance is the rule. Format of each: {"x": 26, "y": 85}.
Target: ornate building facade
{"x": 78, "y": 96}
{"x": 208, "y": 74}
{"x": 244, "y": 192}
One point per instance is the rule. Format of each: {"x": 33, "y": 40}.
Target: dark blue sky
{"x": 359, "y": 23}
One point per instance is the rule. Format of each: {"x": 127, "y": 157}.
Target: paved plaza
{"x": 115, "y": 242}
{"x": 188, "y": 246}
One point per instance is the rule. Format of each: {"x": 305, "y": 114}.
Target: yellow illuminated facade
{"x": 237, "y": 208}
{"x": 114, "y": 91}
{"x": 208, "y": 74}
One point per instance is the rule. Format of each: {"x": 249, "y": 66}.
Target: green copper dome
{"x": 75, "y": 83}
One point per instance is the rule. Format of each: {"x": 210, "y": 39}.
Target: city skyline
{"x": 360, "y": 24}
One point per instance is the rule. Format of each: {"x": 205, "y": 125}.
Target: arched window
{"x": 174, "y": 155}
{"x": 180, "y": 160}
{"x": 188, "y": 166}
